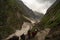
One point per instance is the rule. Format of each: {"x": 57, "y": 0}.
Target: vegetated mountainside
{"x": 52, "y": 20}
{"x": 27, "y": 12}
{"x": 12, "y": 16}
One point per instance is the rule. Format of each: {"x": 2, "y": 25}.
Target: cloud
{"x": 41, "y": 1}
{"x": 39, "y": 5}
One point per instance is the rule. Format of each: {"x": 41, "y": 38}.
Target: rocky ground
{"x": 41, "y": 35}
{"x": 26, "y": 26}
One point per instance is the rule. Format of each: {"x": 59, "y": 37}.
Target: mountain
{"x": 13, "y": 14}
{"x": 52, "y": 20}
{"x": 38, "y": 16}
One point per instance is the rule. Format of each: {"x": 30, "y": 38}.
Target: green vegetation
{"x": 8, "y": 18}
{"x": 52, "y": 20}
{"x": 52, "y": 17}
{"x": 11, "y": 17}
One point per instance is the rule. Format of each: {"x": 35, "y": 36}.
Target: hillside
{"x": 12, "y": 14}
{"x": 52, "y": 20}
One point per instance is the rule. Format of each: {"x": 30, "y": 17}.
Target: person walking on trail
{"x": 22, "y": 37}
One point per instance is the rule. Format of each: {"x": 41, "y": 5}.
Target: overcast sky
{"x": 39, "y": 5}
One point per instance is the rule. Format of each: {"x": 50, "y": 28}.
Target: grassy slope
{"x": 52, "y": 20}
{"x": 52, "y": 17}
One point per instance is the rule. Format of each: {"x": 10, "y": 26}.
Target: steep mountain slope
{"x": 11, "y": 16}
{"x": 52, "y": 20}
{"x": 52, "y": 16}
{"x": 27, "y": 12}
